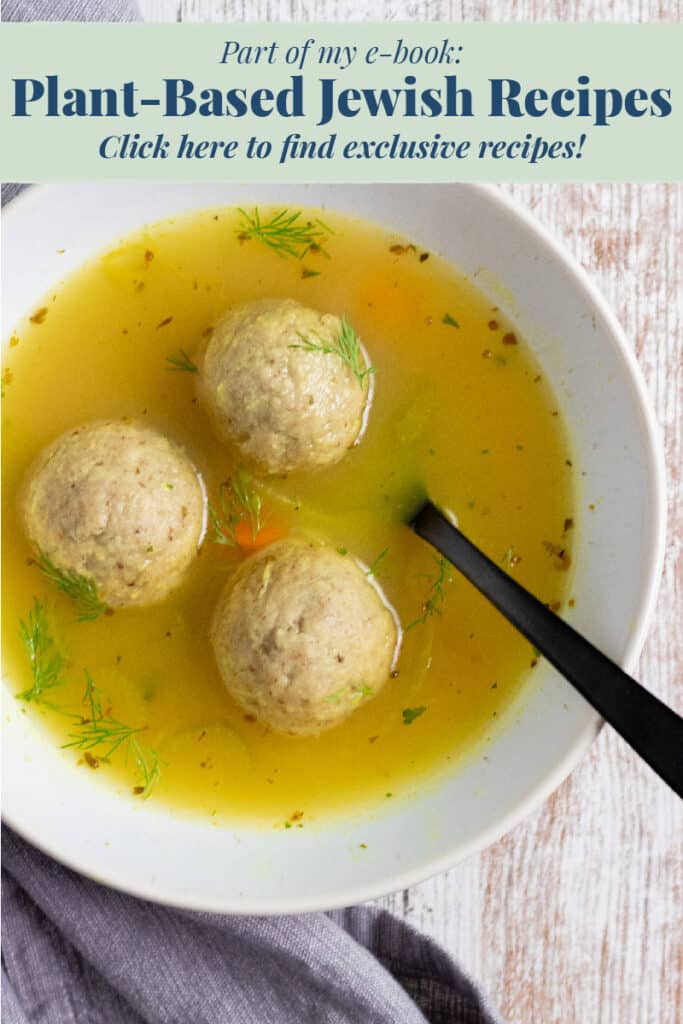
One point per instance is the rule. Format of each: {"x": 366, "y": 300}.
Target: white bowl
{"x": 145, "y": 849}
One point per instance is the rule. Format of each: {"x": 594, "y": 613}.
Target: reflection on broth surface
{"x": 459, "y": 407}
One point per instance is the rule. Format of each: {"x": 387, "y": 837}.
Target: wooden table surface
{"x": 577, "y": 915}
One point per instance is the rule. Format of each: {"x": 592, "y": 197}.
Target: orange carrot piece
{"x": 271, "y": 531}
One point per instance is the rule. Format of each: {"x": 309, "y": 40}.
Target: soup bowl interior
{"x": 153, "y": 852}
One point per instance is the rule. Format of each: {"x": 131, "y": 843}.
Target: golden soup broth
{"x": 459, "y": 406}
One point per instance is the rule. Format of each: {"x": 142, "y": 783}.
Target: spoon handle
{"x": 652, "y": 729}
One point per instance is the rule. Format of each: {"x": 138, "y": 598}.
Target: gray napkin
{"x": 75, "y": 952}
{"x": 70, "y": 10}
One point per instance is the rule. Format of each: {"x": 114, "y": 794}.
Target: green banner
{"x": 341, "y": 102}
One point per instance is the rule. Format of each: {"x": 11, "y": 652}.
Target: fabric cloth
{"x": 70, "y": 10}
{"x": 75, "y": 952}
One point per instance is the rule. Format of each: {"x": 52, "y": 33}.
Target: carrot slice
{"x": 271, "y": 531}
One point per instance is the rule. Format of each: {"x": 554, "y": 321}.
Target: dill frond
{"x": 181, "y": 362}
{"x": 222, "y": 527}
{"x": 45, "y": 660}
{"x": 101, "y": 735}
{"x": 346, "y": 345}
{"x": 285, "y": 233}
{"x": 92, "y": 697}
{"x": 107, "y": 734}
{"x": 81, "y": 589}
{"x": 148, "y": 765}
{"x": 436, "y": 595}
{"x": 375, "y": 565}
{"x": 238, "y": 500}
{"x": 248, "y": 499}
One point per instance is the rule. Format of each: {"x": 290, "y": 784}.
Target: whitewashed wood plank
{"x": 411, "y": 10}
{"x": 581, "y": 910}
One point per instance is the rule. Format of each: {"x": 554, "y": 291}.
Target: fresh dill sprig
{"x": 238, "y": 500}
{"x": 285, "y": 232}
{"x": 101, "y": 736}
{"x": 92, "y": 698}
{"x": 45, "y": 660}
{"x": 437, "y": 593}
{"x": 223, "y": 529}
{"x": 181, "y": 362}
{"x": 346, "y": 345}
{"x": 148, "y": 764}
{"x": 374, "y": 569}
{"x": 81, "y": 589}
{"x": 105, "y": 733}
{"x": 98, "y": 735}
{"x": 248, "y": 498}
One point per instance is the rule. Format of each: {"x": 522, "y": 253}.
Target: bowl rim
{"x": 642, "y": 615}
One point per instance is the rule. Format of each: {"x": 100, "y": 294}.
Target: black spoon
{"x": 652, "y": 729}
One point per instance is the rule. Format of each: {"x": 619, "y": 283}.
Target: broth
{"x": 459, "y": 406}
